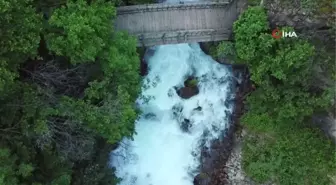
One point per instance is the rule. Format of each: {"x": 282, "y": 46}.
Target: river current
{"x": 162, "y": 153}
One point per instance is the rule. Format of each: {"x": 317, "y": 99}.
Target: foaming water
{"x": 162, "y": 153}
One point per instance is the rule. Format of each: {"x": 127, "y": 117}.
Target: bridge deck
{"x": 155, "y": 24}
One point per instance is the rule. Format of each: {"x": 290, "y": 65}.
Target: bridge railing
{"x": 165, "y": 6}
{"x": 151, "y": 39}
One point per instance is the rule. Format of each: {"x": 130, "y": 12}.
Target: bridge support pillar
{"x": 141, "y": 40}
{"x": 179, "y": 37}
{"x": 185, "y": 36}
{"x": 163, "y": 38}
{"x": 213, "y": 35}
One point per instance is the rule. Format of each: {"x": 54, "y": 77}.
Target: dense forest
{"x": 68, "y": 83}
{"x": 282, "y": 146}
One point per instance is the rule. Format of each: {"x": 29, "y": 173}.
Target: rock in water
{"x": 187, "y": 92}
{"x": 199, "y": 108}
{"x": 185, "y": 125}
{"x": 202, "y": 179}
{"x": 143, "y": 67}
{"x": 190, "y": 88}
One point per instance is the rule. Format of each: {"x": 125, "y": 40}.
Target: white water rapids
{"x": 161, "y": 152}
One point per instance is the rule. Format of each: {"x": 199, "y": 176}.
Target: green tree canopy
{"x": 283, "y": 149}
{"x": 68, "y": 84}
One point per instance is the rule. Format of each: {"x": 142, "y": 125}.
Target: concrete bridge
{"x": 157, "y": 24}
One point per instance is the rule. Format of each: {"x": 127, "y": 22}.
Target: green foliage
{"x": 122, "y": 58}
{"x": 227, "y": 49}
{"x": 17, "y": 43}
{"x": 81, "y": 30}
{"x": 251, "y": 34}
{"x": 275, "y": 58}
{"x": 7, "y": 168}
{"x": 300, "y": 156}
{"x": 96, "y": 171}
{"x": 6, "y": 75}
{"x": 25, "y": 170}
{"x": 309, "y": 4}
{"x": 327, "y": 59}
{"x": 68, "y": 83}
{"x": 283, "y": 151}
{"x": 192, "y": 83}
{"x": 112, "y": 120}
{"x": 62, "y": 180}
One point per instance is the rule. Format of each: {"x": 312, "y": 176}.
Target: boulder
{"x": 198, "y": 108}
{"x": 187, "y": 92}
{"x": 185, "y": 125}
{"x": 202, "y": 179}
{"x": 143, "y": 67}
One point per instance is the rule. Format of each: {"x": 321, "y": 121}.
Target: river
{"x": 162, "y": 153}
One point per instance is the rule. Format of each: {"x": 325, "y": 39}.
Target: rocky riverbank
{"x": 222, "y": 165}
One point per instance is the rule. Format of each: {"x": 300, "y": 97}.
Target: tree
{"x": 80, "y": 31}
{"x": 285, "y": 96}
{"x": 18, "y": 42}
{"x": 68, "y": 83}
